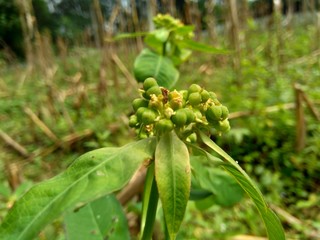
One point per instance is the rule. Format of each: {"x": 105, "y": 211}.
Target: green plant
{"x": 172, "y": 126}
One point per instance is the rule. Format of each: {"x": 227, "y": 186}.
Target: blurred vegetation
{"x": 264, "y": 128}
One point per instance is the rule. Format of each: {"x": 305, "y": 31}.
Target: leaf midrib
{"x": 174, "y": 178}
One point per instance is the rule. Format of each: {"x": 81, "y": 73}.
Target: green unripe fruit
{"x": 194, "y": 88}
{"x": 192, "y": 137}
{"x": 164, "y": 125}
{"x": 205, "y": 95}
{"x": 195, "y": 99}
{"x": 149, "y": 82}
{"x": 138, "y": 103}
{"x": 140, "y": 111}
{"x": 213, "y": 95}
{"x": 133, "y": 121}
{"x": 224, "y": 126}
{"x": 225, "y": 112}
{"x": 148, "y": 116}
{"x": 190, "y": 115}
{"x": 180, "y": 118}
{"x": 153, "y": 90}
{"x": 214, "y": 113}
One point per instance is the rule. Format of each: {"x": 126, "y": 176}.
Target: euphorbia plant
{"x": 173, "y": 128}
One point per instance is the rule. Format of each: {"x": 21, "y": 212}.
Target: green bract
{"x": 160, "y": 110}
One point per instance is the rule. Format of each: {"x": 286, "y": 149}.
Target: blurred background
{"x": 66, "y": 88}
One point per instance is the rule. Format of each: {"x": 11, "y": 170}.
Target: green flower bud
{"x": 194, "y": 88}
{"x": 164, "y": 125}
{"x": 133, "y": 121}
{"x": 180, "y": 118}
{"x": 195, "y": 98}
{"x": 138, "y": 103}
{"x": 148, "y": 116}
{"x": 155, "y": 103}
{"x": 149, "y": 82}
{"x": 197, "y": 114}
{"x": 214, "y": 113}
{"x": 168, "y": 112}
{"x": 225, "y": 112}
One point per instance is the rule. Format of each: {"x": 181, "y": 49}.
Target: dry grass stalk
{"x": 124, "y": 70}
{"x": 44, "y": 128}
{"x": 15, "y": 145}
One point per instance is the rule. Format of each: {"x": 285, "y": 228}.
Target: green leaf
{"x": 150, "y": 64}
{"x": 161, "y": 34}
{"x": 98, "y": 220}
{"x": 130, "y": 35}
{"x": 92, "y": 175}
{"x": 201, "y": 47}
{"x": 273, "y": 225}
{"x": 172, "y": 171}
{"x": 155, "y": 44}
{"x": 226, "y": 191}
{"x": 184, "y": 30}
{"x": 205, "y": 203}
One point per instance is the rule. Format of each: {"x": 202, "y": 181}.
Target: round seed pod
{"x": 148, "y": 116}
{"x": 213, "y": 95}
{"x": 190, "y": 115}
{"x": 225, "y": 112}
{"x": 153, "y": 90}
{"x": 195, "y": 98}
{"x": 224, "y": 126}
{"x": 164, "y": 125}
{"x": 180, "y": 118}
{"x": 138, "y": 103}
{"x": 140, "y": 111}
{"x": 133, "y": 121}
{"x": 205, "y": 95}
{"x": 214, "y": 113}
{"x": 194, "y": 88}
{"x": 149, "y": 82}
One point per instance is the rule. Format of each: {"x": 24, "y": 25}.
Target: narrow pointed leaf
{"x": 273, "y": 225}
{"x": 201, "y": 47}
{"x": 101, "y": 219}
{"x": 149, "y": 205}
{"x": 130, "y": 35}
{"x": 92, "y": 175}
{"x": 172, "y": 171}
{"x": 150, "y": 64}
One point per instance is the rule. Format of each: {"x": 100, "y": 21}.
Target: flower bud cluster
{"x": 159, "y": 110}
